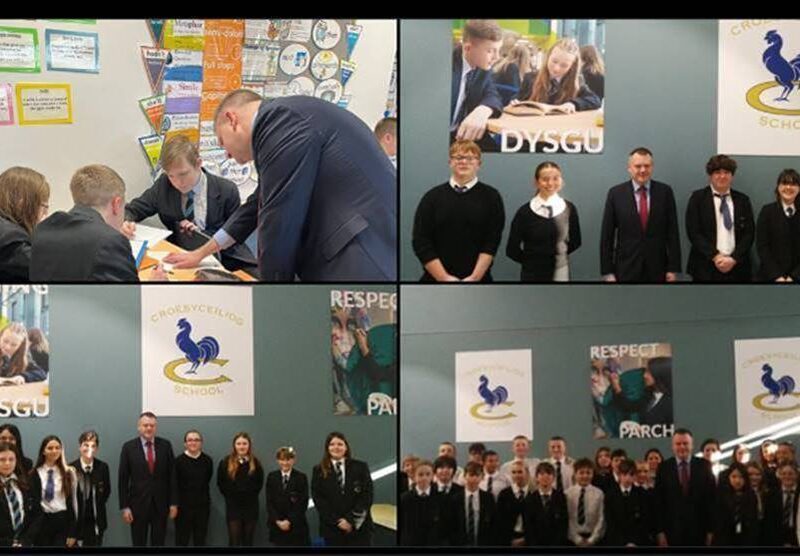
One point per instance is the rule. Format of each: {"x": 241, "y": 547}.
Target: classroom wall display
{"x": 72, "y": 51}
{"x": 767, "y": 377}
{"x": 44, "y": 103}
{"x": 364, "y": 352}
{"x": 19, "y": 49}
{"x": 197, "y": 351}
{"x": 6, "y": 104}
{"x": 531, "y": 90}
{"x": 24, "y": 366}
{"x": 631, "y": 386}
{"x": 494, "y": 395}
{"x": 758, "y": 92}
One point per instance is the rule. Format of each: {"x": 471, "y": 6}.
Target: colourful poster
{"x": 257, "y": 31}
{"x": 154, "y": 60}
{"x": 631, "y": 387}
{"x": 24, "y": 311}
{"x": 209, "y": 102}
{"x": 182, "y": 124}
{"x": 156, "y": 28}
{"x": 260, "y": 61}
{"x": 327, "y": 33}
{"x": 72, "y": 51}
{"x": 330, "y": 90}
{"x": 153, "y": 109}
{"x": 364, "y": 352}
{"x": 183, "y": 97}
{"x": 324, "y": 65}
{"x": 353, "y": 34}
{"x": 348, "y": 68}
{"x": 184, "y": 34}
{"x": 6, "y": 104}
{"x": 19, "y": 50}
{"x": 151, "y": 145}
{"x": 296, "y": 30}
{"x": 44, "y": 103}
{"x": 222, "y": 54}
{"x": 184, "y": 65}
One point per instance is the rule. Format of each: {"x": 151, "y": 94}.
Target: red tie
{"x": 643, "y": 207}
{"x": 151, "y": 457}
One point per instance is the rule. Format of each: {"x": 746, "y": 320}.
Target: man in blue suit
{"x": 325, "y": 206}
{"x": 474, "y": 98}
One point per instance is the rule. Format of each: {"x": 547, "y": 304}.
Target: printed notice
{"x": 44, "y": 103}
{"x": 72, "y": 51}
{"x": 19, "y": 49}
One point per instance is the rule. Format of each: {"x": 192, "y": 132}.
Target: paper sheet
{"x": 208, "y": 262}
{"x": 150, "y": 234}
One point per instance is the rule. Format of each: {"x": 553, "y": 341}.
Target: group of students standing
{"x": 53, "y": 503}
{"x": 459, "y": 224}
{"x": 612, "y": 501}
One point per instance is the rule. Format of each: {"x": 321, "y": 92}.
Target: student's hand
{"x": 518, "y": 542}
{"x": 780, "y": 279}
{"x": 71, "y": 542}
{"x": 450, "y": 278}
{"x": 788, "y": 279}
{"x": 173, "y": 512}
{"x": 610, "y": 278}
{"x": 188, "y": 226}
{"x": 128, "y": 229}
{"x": 672, "y": 276}
{"x": 16, "y": 544}
{"x": 361, "y": 338}
{"x": 567, "y": 108}
{"x": 283, "y": 524}
{"x": 344, "y": 525}
{"x": 473, "y": 126}
{"x": 190, "y": 259}
{"x": 662, "y": 539}
{"x": 127, "y": 516}
{"x": 726, "y": 264}
{"x": 159, "y": 274}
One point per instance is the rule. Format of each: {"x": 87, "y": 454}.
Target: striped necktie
{"x": 582, "y": 507}
{"x": 188, "y": 212}
{"x": 16, "y": 509}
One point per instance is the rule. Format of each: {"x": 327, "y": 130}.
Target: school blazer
{"x": 101, "y": 481}
{"x": 32, "y": 504}
{"x": 508, "y": 510}
{"x": 778, "y": 243}
{"x": 481, "y": 89}
{"x": 629, "y": 252}
{"x": 628, "y": 519}
{"x": 163, "y": 199}
{"x": 724, "y": 524}
{"x": 332, "y": 504}
{"x": 137, "y": 487}
{"x": 701, "y": 227}
{"x": 485, "y": 520}
{"x": 15, "y": 252}
{"x": 290, "y": 504}
{"x": 685, "y": 520}
{"x": 423, "y": 520}
{"x": 546, "y": 526}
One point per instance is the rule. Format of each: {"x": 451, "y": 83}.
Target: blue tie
{"x": 188, "y": 212}
{"x": 16, "y": 511}
{"x": 50, "y": 487}
{"x": 725, "y": 210}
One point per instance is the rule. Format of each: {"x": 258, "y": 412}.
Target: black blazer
{"x": 332, "y": 504}
{"x": 585, "y": 98}
{"x": 701, "y": 226}
{"x": 78, "y": 246}
{"x": 101, "y": 481}
{"x": 423, "y": 520}
{"x": 508, "y": 511}
{"x": 725, "y": 523}
{"x": 163, "y": 199}
{"x": 290, "y": 504}
{"x": 630, "y": 253}
{"x": 481, "y": 90}
{"x": 15, "y": 252}
{"x": 628, "y": 519}
{"x": 138, "y": 489}
{"x": 241, "y": 493}
{"x": 485, "y": 520}
{"x": 778, "y": 243}
{"x": 402, "y": 482}
{"x": 546, "y": 526}
{"x": 32, "y": 505}
{"x": 685, "y": 520}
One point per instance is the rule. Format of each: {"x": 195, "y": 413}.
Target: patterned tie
{"x": 151, "y": 457}
{"x": 471, "y": 521}
{"x": 684, "y": 478}
{"x": 16, "y": 509}
{"x": 789, "y": 211}
{"x": 582, "y": 507}
{"x": 788, "y": 506}
{"x": 188, "y": 212}
{"x": 519, "y": 495}
{"x": 725, "y": 210}
{"x": 545, "y": 500}
{"x": 460, "y": 189}
{"x": 285, "y": 482}
{"x": 643, "y": 206}
{"x": 559, "y": 479}
{"x": 50, "y": 487}
{"x": 489, "y": 485}
{"x": 339, "y": 475}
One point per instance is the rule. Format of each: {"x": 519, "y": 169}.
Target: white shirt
{"x": 442, "y": 487}
{"x": 469, "y": 185}
{"x": 726, "y": 239}
{"x": 566, "y": 472}
{"x": 787, "y": 207}
{"x": 476, "y": 507}
{"x": 505, "y": 469}
{"x": 499, "y": 482}
{"x": 636, "y": 194}
{"x": 285, "y": 476}
{"x": 556, "y": 203}
{"x": 465, "y": 69}
{"x": 191, "y": 456}
{"x": 518, "y": 527}
{"x": 200, "y": 200}
{"x": 59, "y": 502}
{"x": 593, "y": 510}
{"x": 426, "y": 492}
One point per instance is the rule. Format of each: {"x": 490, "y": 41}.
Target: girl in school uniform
{"x": 16, "y": 364}
{"x": 10, "y": 434}
{"x": 40, "y": 348}
{"x": 342, "y": 491}
{"x": 92, "y": 491}
{"x": 24, "y": 197}
{"x": 59, "y": 501}
{"x": 422, "y": 511}
{"x": 778, "y": 232}
{"x": 287, "y": 502}
{"x": 736, "y": 516}
{"x": 545, "y": 230}
{"x": 20, "y": 508}
{"x": 240, "y": 478}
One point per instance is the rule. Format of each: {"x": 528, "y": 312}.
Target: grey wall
{"x": 559, "y": 324}
{"x": 96, "y": 382}
{"x": 661, "y": 88}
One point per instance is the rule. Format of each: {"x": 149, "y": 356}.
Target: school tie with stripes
{"x": 16, "y": 509}
{"x": 188, "y": 212}
{"x": 339, "y": 475}
{"x": 582, "y": 507}
{"x": 788, "y": 508}
{"x": 285, "y": 482}
{"x": 471, "y": 520}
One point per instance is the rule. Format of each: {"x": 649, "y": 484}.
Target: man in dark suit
{"x": 85, "y": 244}
{"x": 474, "y": 97}
{"x": 721, "y": 228}
{"x": 93, "y": 491}
{"x": 189, "y": 200}
{"x": 147, "y": 486}
{"x": 473, "y": 511}
{"x": 684, "y": 496}
{"x": 789, "y": 495}
{"x": 639, "y": 240}
{"x": 325, "y": 206}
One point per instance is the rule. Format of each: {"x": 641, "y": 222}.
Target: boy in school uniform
{"x": 511, "y": 507}
{"x": 448, "y": 449}
{"x": 557, "y": 448}
{"x": 494, "y": 481}
{"x": 789, "y": 495}
{"x": 473, "y": 511}
{"x": 628, "y": 511}
{"x": 92, "y": 491}
{"x": 520, "y": 447}
{"x": 444, "y": 468}
{"x": 546, "y": 518}
{"x": 191, "y": 202}
{"x": 584, "y": 507}
{"x": 422, "y": 513}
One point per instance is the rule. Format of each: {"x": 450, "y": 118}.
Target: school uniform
{"x": 564, "y": 472}
{"x": 768, "y": 504}
{"x": 403, "y": 482}
{"x": 604, "y": 481}
{"x": 58, "y": 510}
{"x": 546, "y": 519}
{"x": 510, "y": 514}
{"x": 585, "y": 98}
{"x": 345, "y": 493}
{"x": 193, "y": 475}
{"x": 473, "y": 518}
{"x": 736, "y": 518}
{"x": 241, "y": 495}
{"x": 787, "y": 519}
{"x": 628, "y": 517}
{"x": 494, "y": 483}
{"x": 778, "y": 242}
{"x": 26, "y": 504}
{"x": 530, "y": 463}
{"x": 15, "y": 252}
{"x": 32, "y": 373}
{"x": 447, "y": 490}
{"x": 585, "y": 510}
{"x": 92, "y": 492}
{"x": 470, "y": 88}
{"x": 423, "y": 515}
{"x": 287, "y": 498}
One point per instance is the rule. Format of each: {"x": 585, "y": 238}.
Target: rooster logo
{"x": 196, "y": 353}
{"x": 778, "y": 388}
{"x": 785, "y": 74}
{"x": 492, "y": 399}
{"x": 780, "y": 395}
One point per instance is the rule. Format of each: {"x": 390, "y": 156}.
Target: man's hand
{"x": 128, "y": 229}
{"x": 187, "y": 226}
{"x": 127, "y": 516}
{"x": 473, "y": 126}
{"x": 672, "y": 276}
{"x": 158, "y": 274}
{"x": 173, "y": 512}
{"x": 284, "y": 524}
{"x": 344, "y": 525}
{"x": 190, "y": 259}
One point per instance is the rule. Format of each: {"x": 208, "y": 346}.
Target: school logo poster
{"x": 24, "y": 351}
{"x": 534, "y": 85}
{"x": 197, "y": 351}
{"x": 494, "y": 395}
{"x": 767, "y": 378}
{"x": 364, "y": 352}
{"x": 631, "y": 386}
{"x": 758, "y": 87}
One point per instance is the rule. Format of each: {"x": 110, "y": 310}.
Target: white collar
{"x": 469, "y": 185}
{"x": 636, "y": 186}
{"x": 719, "y": 192}
{"x": 191, "y": 456}
{"x": 555, "y": 202}
{"x": 785, "y": 206}
{"x": 517, "y": 489}
{"x": 425, "y": 492}
{"x": 548, "y": 493}
{"x": 286, "y": 473}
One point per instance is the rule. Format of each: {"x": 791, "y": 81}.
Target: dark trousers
{"x": 153, "y": 519}
{"x": 92, "y": 539}
{"x": 53, "y": 531}
{"x": 355, "y": 538}
{"x": 191, "y": 525}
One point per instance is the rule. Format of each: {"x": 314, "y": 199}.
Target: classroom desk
{"x": 556, "y": 124}
{"x": 385, "y": 515}
{"x": 179, "y": 274}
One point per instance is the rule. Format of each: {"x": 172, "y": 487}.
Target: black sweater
{"x": 193, "y": 476}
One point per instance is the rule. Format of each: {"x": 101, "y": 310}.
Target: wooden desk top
{"x": 178, "y": 274}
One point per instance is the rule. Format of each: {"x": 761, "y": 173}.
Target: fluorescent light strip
{"x": 379, "y": 474}
{"x": 760, "y": 435}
